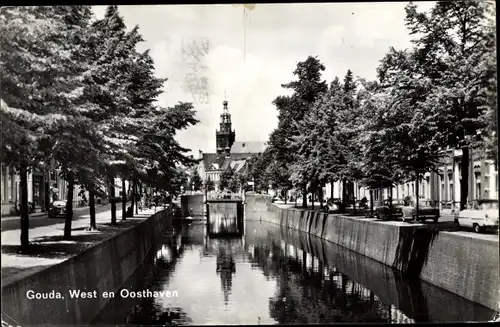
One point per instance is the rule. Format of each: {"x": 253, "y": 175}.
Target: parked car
{"x": 427, "y": 209}
{"x": 384, "y": 212}
{"x": 58, "y": 208}
{"x": 101, "y": 200}
{"x": 331, "y": 206}
{"x": 480, "y": 215}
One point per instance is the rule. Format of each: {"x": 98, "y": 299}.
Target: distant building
{"x": 44, "y": 187}
{"x": 442, "y": 186}
{"x": 228, "y": 151}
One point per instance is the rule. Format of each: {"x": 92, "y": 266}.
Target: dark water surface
{"x": 274, "y": 275}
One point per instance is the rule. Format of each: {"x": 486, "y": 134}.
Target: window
{"x": 478, "y": 190}
{"x": 496, "y": 183}
{"x": 487, "y": 168}
{"x": 12, "y": 189}
{"x": 8, "y": 194}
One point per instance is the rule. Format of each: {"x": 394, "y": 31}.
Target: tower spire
{"x": 225, "y": 95}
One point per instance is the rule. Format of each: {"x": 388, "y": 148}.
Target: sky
{"x": 245, "y": 55}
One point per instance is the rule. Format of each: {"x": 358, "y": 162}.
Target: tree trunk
{"x": 390, "y": 202}
{"x": 371, "y": 202}
{"x": 286, "y": 196}
{"x": 47, "y": 192}
{"x": 136, "y": 197}
{"x": 331, "y": 189}
{"x": 93, "y": 225}
{"x": 304, "y": 197}
{"x": 313, "y": 193}
{"x": 69, "y": 207}
{"x": 132, "y": 199}
{"x": 353, "y": 199}
{"x": 25, "y": 242}
{"x": 344, "y": 196}
{"x": 124, "y": 200}
{"x": 464, "y": 180}
{"x": 321, "y": 197}
{"x": 112, "y": 196}
{"x": 417, "y": 195}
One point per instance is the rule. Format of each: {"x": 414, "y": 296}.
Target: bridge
{"x": 224, "y": 217}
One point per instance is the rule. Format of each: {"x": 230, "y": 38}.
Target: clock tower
{"x": 224, "y": 136}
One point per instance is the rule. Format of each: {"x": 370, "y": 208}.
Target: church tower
{"x": 224, "y": 136}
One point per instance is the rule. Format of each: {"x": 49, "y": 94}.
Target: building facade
{"x": 442, "y": 186}
{"x": 43, "y": 189}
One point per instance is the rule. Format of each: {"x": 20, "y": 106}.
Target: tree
{"x": 196, "y": 180}
{"x": 234, "y": 183}
{"x": 402, "y": 127}
{"x": 209, "y": 185}
{"x": 454, "y": 49}
{"x": 225, "y": 178}
{"x": 306, "y": 90}
{"x": 36, "y": 47}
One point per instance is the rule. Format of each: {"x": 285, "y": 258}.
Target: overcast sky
{"x": 251, "y": 55}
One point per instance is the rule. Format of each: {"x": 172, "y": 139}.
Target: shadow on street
{"x": 13, "y": 224}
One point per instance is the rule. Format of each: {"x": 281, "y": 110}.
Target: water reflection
{"x": 225, "y": 268}
{"x": 273, "y": 275}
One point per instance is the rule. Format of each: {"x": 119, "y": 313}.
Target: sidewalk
{"x": 42, "y": 214}
{"x": 48, "y": 248}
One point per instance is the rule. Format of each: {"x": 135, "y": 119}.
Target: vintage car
{"x": 384, "y": 212}
{"x": 480, "y": 215}
{"x": 58, "y": 208}
{"x": 427, "y": 209}
{"x": 332, "y": 205}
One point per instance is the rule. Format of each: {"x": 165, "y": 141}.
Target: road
{"x": 14, "y": 223}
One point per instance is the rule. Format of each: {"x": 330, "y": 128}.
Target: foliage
{"x": 284, "y": 151}
{"x": 209, "y": 185}
{"x": 196, "y": 180}
{"x": 225, "y": 178}
{"x": 72, "y": 87}
{"x": 454, "y": 52}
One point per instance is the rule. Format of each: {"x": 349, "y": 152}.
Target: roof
{"x": 209, "y": 159}
{"x": 237, "y": 165}
{"x": 218, "y": 161}
{"x": 213, "y": 161}
{"x": 248, "y": 147}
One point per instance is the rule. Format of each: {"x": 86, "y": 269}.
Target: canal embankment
{"x": 193, "y": 205}
{"x": 418, "y": 300}
{"x": 464, "y": 265}
{"x": 100, "y": 268}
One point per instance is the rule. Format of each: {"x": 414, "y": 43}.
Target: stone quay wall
{"x": 192, "y": 205}
{"x": 105, "y": 267}
{"x": 466, "y": 266}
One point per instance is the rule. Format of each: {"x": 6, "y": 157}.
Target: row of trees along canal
{"x": 439, "y": 94}
{"x": 78, "y": 96}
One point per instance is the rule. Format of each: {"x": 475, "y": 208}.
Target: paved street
{"x": 51, "y": 249}
{"x": 39, "y": 220}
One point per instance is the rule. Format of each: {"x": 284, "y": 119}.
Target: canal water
{"x": 273, "y": 275}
